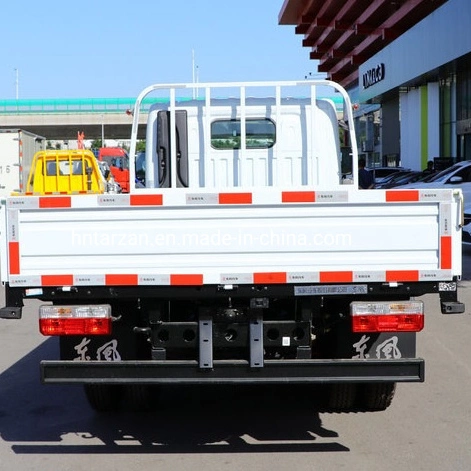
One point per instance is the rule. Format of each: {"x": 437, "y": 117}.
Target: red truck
{"x": 118, "y": 160}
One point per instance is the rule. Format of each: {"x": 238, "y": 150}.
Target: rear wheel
{"x": 103, "y": 397}
{"x": 140, "y": 397}
{"x": 377, "y": 396}
{"x": 341, "y": 397}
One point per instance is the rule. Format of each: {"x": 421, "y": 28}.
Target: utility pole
{"x": 193, "y": 71}
{"x": 102, "y": 130}
{"x": 16, "y": 83}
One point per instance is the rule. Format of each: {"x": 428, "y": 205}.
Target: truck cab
{"x": 118, "y": 161}
{"x": 66, "y": 172}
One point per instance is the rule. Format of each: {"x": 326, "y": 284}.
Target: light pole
{"x": 16, "y": 83}
{"x": 102, "y": 130}
{"x": 193, "y": 71}
{"x": 195, "y": 75}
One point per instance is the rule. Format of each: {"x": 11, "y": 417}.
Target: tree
{"x": 141, "y": 146}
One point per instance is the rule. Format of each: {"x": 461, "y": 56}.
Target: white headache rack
{"x": 246, "y": 134}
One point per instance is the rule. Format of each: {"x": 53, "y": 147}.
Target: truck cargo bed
{"x": 186, "y": 237}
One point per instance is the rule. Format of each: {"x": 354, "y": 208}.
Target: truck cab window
{"x": 259, "y": 134}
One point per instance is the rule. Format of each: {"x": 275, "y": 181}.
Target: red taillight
{"x": 75, "y": 326}
{"x": 75, "y": 320}
{"x": 404, "y": 316}
{"x": 388, "y": 323}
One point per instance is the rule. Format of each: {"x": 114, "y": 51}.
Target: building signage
{"x": 374, "y": 75}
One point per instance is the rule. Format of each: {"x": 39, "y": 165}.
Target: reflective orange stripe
{"x": 235, "y": 198}
{"x": 191, "y": 279}
{"x": 402, "y": 275}
{"x": 14, "y": 258}
{"x": 445, "y": 252}
{"x": 402, "y": 195}
{"x": 57, "y": 280}
{"x": 146, "y": 200}
{"x": 123, "y": 280}
{"x": 270, "y": 278}
{"x": 55, "y": 202}
{"x": 336, "y": 276}
{"x": 298, "y": 196}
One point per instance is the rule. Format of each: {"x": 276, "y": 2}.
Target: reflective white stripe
{"x": 12, "y": 225}
{"x": 445, "y": 219}
{"x": 303, "y": 277}
{"x": 369, "y": 276}
{"x": 331, "y": 196}
{"x": 113, "y": 200}
{"x": 153, "y": 280}
{"x": 433, "y": 195}
{"x": 434, "y": 275}
{"x": 90, "y": 280}
{"x": 242, "y": 278}
{"x": 23, "y": 202}
{"x": 19, "y": 280}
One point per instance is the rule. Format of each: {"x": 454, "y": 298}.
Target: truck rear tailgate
{"x": 183, "y": 237}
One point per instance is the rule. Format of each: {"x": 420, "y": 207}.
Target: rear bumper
{"x": 232, "y": 372}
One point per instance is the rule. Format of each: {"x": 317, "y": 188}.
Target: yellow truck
{"x": 68, "y": 172}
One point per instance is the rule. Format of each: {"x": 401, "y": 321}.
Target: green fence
{"x": 71, "y": 105}
{"x": 83, "y": 105}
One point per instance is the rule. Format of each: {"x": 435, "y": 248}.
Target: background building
{"x": 406, "y": 65}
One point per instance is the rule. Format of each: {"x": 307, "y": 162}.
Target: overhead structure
{"x": 342, "y": 34}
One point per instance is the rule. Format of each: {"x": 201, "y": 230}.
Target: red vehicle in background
{"x": 118, "y": 160}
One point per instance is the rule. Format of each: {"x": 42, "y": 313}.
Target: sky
{"x": 115, "y": 48}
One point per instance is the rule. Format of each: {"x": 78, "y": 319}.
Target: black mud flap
{"x": 13, "y": 302}
{"x": 449, "y": 299}
{"x": 10, "y": 312}
{"x": 452, "y": 307}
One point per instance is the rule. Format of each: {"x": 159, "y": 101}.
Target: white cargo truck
{"x": 17, "y": 148}
{"x": 247, "y": 258}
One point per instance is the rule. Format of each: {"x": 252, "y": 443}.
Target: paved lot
{"x": 52, "y": 428}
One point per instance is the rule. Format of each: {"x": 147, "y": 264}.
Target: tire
{"x": 103, "y": 397}
{"x": 140, "y": 397}
{"x": 341, "y": 397}
{"x": 378, "y": 396}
